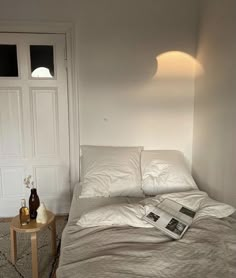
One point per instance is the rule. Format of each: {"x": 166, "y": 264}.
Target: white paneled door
{"x": 34, "y": 135}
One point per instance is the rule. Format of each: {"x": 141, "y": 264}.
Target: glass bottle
{"x": 24, "y": 213}
{"x": 33, "y": 203}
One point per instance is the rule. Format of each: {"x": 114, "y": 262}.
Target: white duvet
{"x": 208, "y": 249}
{"x": 131, "y": 214}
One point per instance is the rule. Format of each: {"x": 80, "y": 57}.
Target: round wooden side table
{"x": 33, "y": 227}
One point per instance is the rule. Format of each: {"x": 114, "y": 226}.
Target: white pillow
{"x": 165, "y": 172}
{"x": 110, "y": 171}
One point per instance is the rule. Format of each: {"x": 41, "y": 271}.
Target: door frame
{"x": 68, "y": 29}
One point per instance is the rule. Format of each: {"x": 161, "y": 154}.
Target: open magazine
{"x": 170, "y": 217}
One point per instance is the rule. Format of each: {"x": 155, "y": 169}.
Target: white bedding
{"x": 80, "y": 206}
{"x": 165, "y": 172}
{"x": 208, "y": 249}
{"x": 131, "y": 214}
{"x": 110, "y": 171}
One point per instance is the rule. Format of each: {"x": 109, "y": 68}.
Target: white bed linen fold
{"x": 131, "y": 214}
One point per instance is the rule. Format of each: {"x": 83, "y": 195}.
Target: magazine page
{"x": 175, "y": 209}
{"x": 166, "y": 222}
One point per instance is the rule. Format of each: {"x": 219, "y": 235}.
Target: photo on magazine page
{"x": 176, "y": 226}
{"x": 152, "y": 216}
{"x": 188, "y": 212}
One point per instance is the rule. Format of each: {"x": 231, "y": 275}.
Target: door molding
{"x": 68, "y": 29}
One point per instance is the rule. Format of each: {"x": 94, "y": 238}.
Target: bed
{"x": 119, "y": 249}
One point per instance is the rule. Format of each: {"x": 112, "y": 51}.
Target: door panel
{"x": 45, "y": 137}
{"x": 10, "y": 123}
{"x": 34, "y": 135}
{"x": 10, "y": 177}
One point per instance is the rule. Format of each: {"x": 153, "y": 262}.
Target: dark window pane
{"x": 8, "y": 60}
{"x": 41, "y": 57}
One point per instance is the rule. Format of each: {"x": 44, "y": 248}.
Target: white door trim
{"x": 68, "y": 29}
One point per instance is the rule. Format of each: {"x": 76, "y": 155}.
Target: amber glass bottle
{"x": 33, "y": 203}
{"x": 24, "y": 213}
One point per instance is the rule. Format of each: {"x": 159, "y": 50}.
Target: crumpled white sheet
{"x": 131, "y": 214}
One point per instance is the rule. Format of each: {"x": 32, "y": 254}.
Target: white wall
{"x": 117, "y": 45}
{"x": 120, "y": 104}
{"x": 214, "y": 152}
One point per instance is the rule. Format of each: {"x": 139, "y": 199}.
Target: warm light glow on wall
{"x": 176, "y": 64}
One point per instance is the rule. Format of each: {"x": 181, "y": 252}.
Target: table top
{"x": 33, "y": 226}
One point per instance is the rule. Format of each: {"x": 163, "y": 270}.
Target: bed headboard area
{"x": 108, "y": 171}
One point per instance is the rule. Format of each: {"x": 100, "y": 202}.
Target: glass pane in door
{"x": 42, "y": 62}
{"x": 8, "y": 60}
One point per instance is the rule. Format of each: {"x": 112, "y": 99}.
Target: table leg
{"x": 53, "y": 234}
{"x": 13, "y": 245}
{"x": 34, "y": 249}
